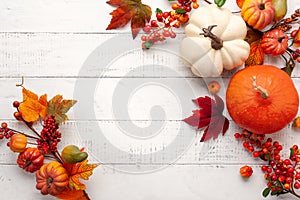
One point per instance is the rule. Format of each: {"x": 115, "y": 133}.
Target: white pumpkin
{"x": 207, "y": 57}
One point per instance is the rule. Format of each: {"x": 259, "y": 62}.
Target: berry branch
{"x": 282, "y": 175}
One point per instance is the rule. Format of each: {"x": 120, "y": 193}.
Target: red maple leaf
{"x": 129, "y": 10}
{"x": 210, "y": 116}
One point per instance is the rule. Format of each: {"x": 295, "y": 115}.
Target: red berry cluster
{"x": 50, "y": 136}
{"x": 283, "y": 175}
{"x": 161, "y": 28}
{"x": 5, "y": 131}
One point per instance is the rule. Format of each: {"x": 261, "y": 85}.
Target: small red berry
{"x": 237, "y": 135}
{"x": 294, "y": 33}
{"x": 159, "y": 16}
{"x": 4, "y": 125}
{"x": 153, "y": 23}
{"x": 16, "y": 104}
{"x": 256, "y": 154}
{"x": 297, "y": 176}
{"x": 281, "y": 178}
{"x": 166, "y": 15}
{"x": 147, "y": 28}
{"x": 287, "y": 161}
{"x": 297, "y": 185}
{"x": 264, "y": 168}
{"x": 172, "y": 34}
{"x": 1, "y": 136}
{"x": 245, "y": 144}
{"x": 18, "y": 115}
{"x": 166, "y": 33}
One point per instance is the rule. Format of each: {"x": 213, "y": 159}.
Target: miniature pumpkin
{"x": 18, "y": 142}
{"x": 52, "y": 178}
{"x": 274, "y": 42}
{"x": 262, "y": 99}
{"x": 258, "y": 13}
{"x": 31, "y": 159}
{"x": 214, "y": 41}
{"x": 71, "y": 154}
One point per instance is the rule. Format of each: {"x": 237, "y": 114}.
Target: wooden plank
{"x": 153, "y": 147}
{"x": 93, "y": 55}
{"x": 61, "y": 16}
{"x": 192, "y": 182}
{"x": 117, "y": 98}
{"x": 70, "y": 15}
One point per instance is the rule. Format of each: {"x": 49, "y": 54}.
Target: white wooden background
{"x": 48, "y": 42}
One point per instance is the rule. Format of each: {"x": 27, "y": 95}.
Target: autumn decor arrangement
{"x": 260, "y": 98}
{"x": 56, "y": 173}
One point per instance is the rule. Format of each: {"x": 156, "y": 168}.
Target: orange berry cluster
{"x": 161, "y": 28}
{"x": 284, "y": 25}
{"x": 283, "y": 175}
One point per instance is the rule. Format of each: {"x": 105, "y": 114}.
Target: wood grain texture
{"x": 136, "y": 101}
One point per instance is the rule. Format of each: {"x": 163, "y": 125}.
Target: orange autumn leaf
{"x": 32, "y": 106}
{"x": 240, "y": 3}
{"x": 73, "y": 195}
{"x": 256, "y": 56}
{"x": 78, "y": 171}
{"x": 129, "y": 10}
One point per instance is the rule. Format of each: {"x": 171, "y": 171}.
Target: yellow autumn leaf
{"x": 32, "y": 107}
{"x": 77, "y": 171}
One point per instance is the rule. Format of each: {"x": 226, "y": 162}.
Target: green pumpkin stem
{"x": 216, "y": 42}
{"x": 263, "y": 92}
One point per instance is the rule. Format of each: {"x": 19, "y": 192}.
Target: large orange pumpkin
{"x": 262, "y": 99}
{"x": 258, "y": 13}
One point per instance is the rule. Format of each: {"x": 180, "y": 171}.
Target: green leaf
{"x": 180, "y": 11}
{"x": 158, "y": 10}
{"x": 266, "y": 192}
{"x": 58, "y": 107}
{"x": 292, "y": 152}
{"x": 289, "y": 66}
{"x": 148, "y": 45}
{"x": 219, "y": 3}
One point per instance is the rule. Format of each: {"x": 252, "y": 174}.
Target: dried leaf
{"x": 32, "y": 106}
{"x": 256, "y": 56}
{"x": 58, "y": 107}
{"x": 80, "y": 170}
{"x": 253, "y": 36}
{"x": 73, "y": 195}
{"x": 210, "y": 116}
{"x": 240, "y": 3}
{"x": 127, "y": 10}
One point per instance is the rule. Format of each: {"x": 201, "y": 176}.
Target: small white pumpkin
{"x": 214, "y": 41}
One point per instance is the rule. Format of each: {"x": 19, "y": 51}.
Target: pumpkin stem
{"x": 261, "y": 6}
{"x": 263, "y": 92}
{"x": 216, "y": 42}
{"x": 280, "y": 39}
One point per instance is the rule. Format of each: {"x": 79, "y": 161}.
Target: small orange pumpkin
{"x": 31, "y": 159}
{"x": 258, "y": 13}
{"x": 262, "y": 99}
{"x": 274, "y": 42}
{"x": 52, "y": 178}
{"x": 18, "y": 142}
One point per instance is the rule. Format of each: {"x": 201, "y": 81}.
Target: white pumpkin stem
{"x": 216, "y": 42}
{"x": 263, "y": 92}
